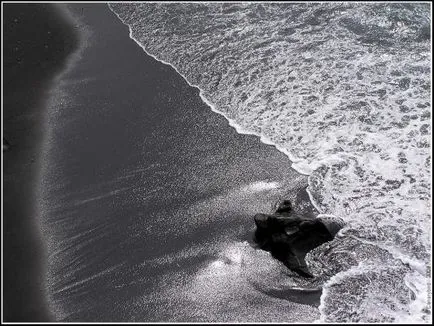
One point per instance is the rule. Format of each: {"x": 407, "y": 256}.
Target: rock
{"x": 289, "y": 236}
{"x": 284, "y": 208}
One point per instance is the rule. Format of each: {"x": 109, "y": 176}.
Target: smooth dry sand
{"x": 36, "y": 42}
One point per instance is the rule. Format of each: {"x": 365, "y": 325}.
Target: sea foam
{"x": 344, "y": 91}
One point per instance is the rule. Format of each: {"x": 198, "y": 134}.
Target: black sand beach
{"x": 36, "y": 42}
{"x": 148, "y": 196}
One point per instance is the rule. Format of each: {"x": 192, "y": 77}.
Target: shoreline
{"x": 231, "y": 123}
{"x": 239, "y": 129}
{"x": 136, "y": 157}
{"x": 34, "y": 55}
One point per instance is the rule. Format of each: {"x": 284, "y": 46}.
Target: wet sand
{"x": 146, "y": 192}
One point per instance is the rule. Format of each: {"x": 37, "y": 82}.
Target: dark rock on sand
{"x": 290, "y": 236}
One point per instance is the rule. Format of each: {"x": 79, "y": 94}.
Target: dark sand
{"x": 145, "y": 188}
{"x": 37, "y": 41}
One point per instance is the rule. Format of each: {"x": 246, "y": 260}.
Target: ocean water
{"x": 344, "y": 90}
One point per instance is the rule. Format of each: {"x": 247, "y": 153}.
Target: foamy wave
{"x": 344, "y": 91}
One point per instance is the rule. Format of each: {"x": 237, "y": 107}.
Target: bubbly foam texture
{"x": 344, "y": 91}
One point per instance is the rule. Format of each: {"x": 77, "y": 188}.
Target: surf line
{"x": 265, "y": 140}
